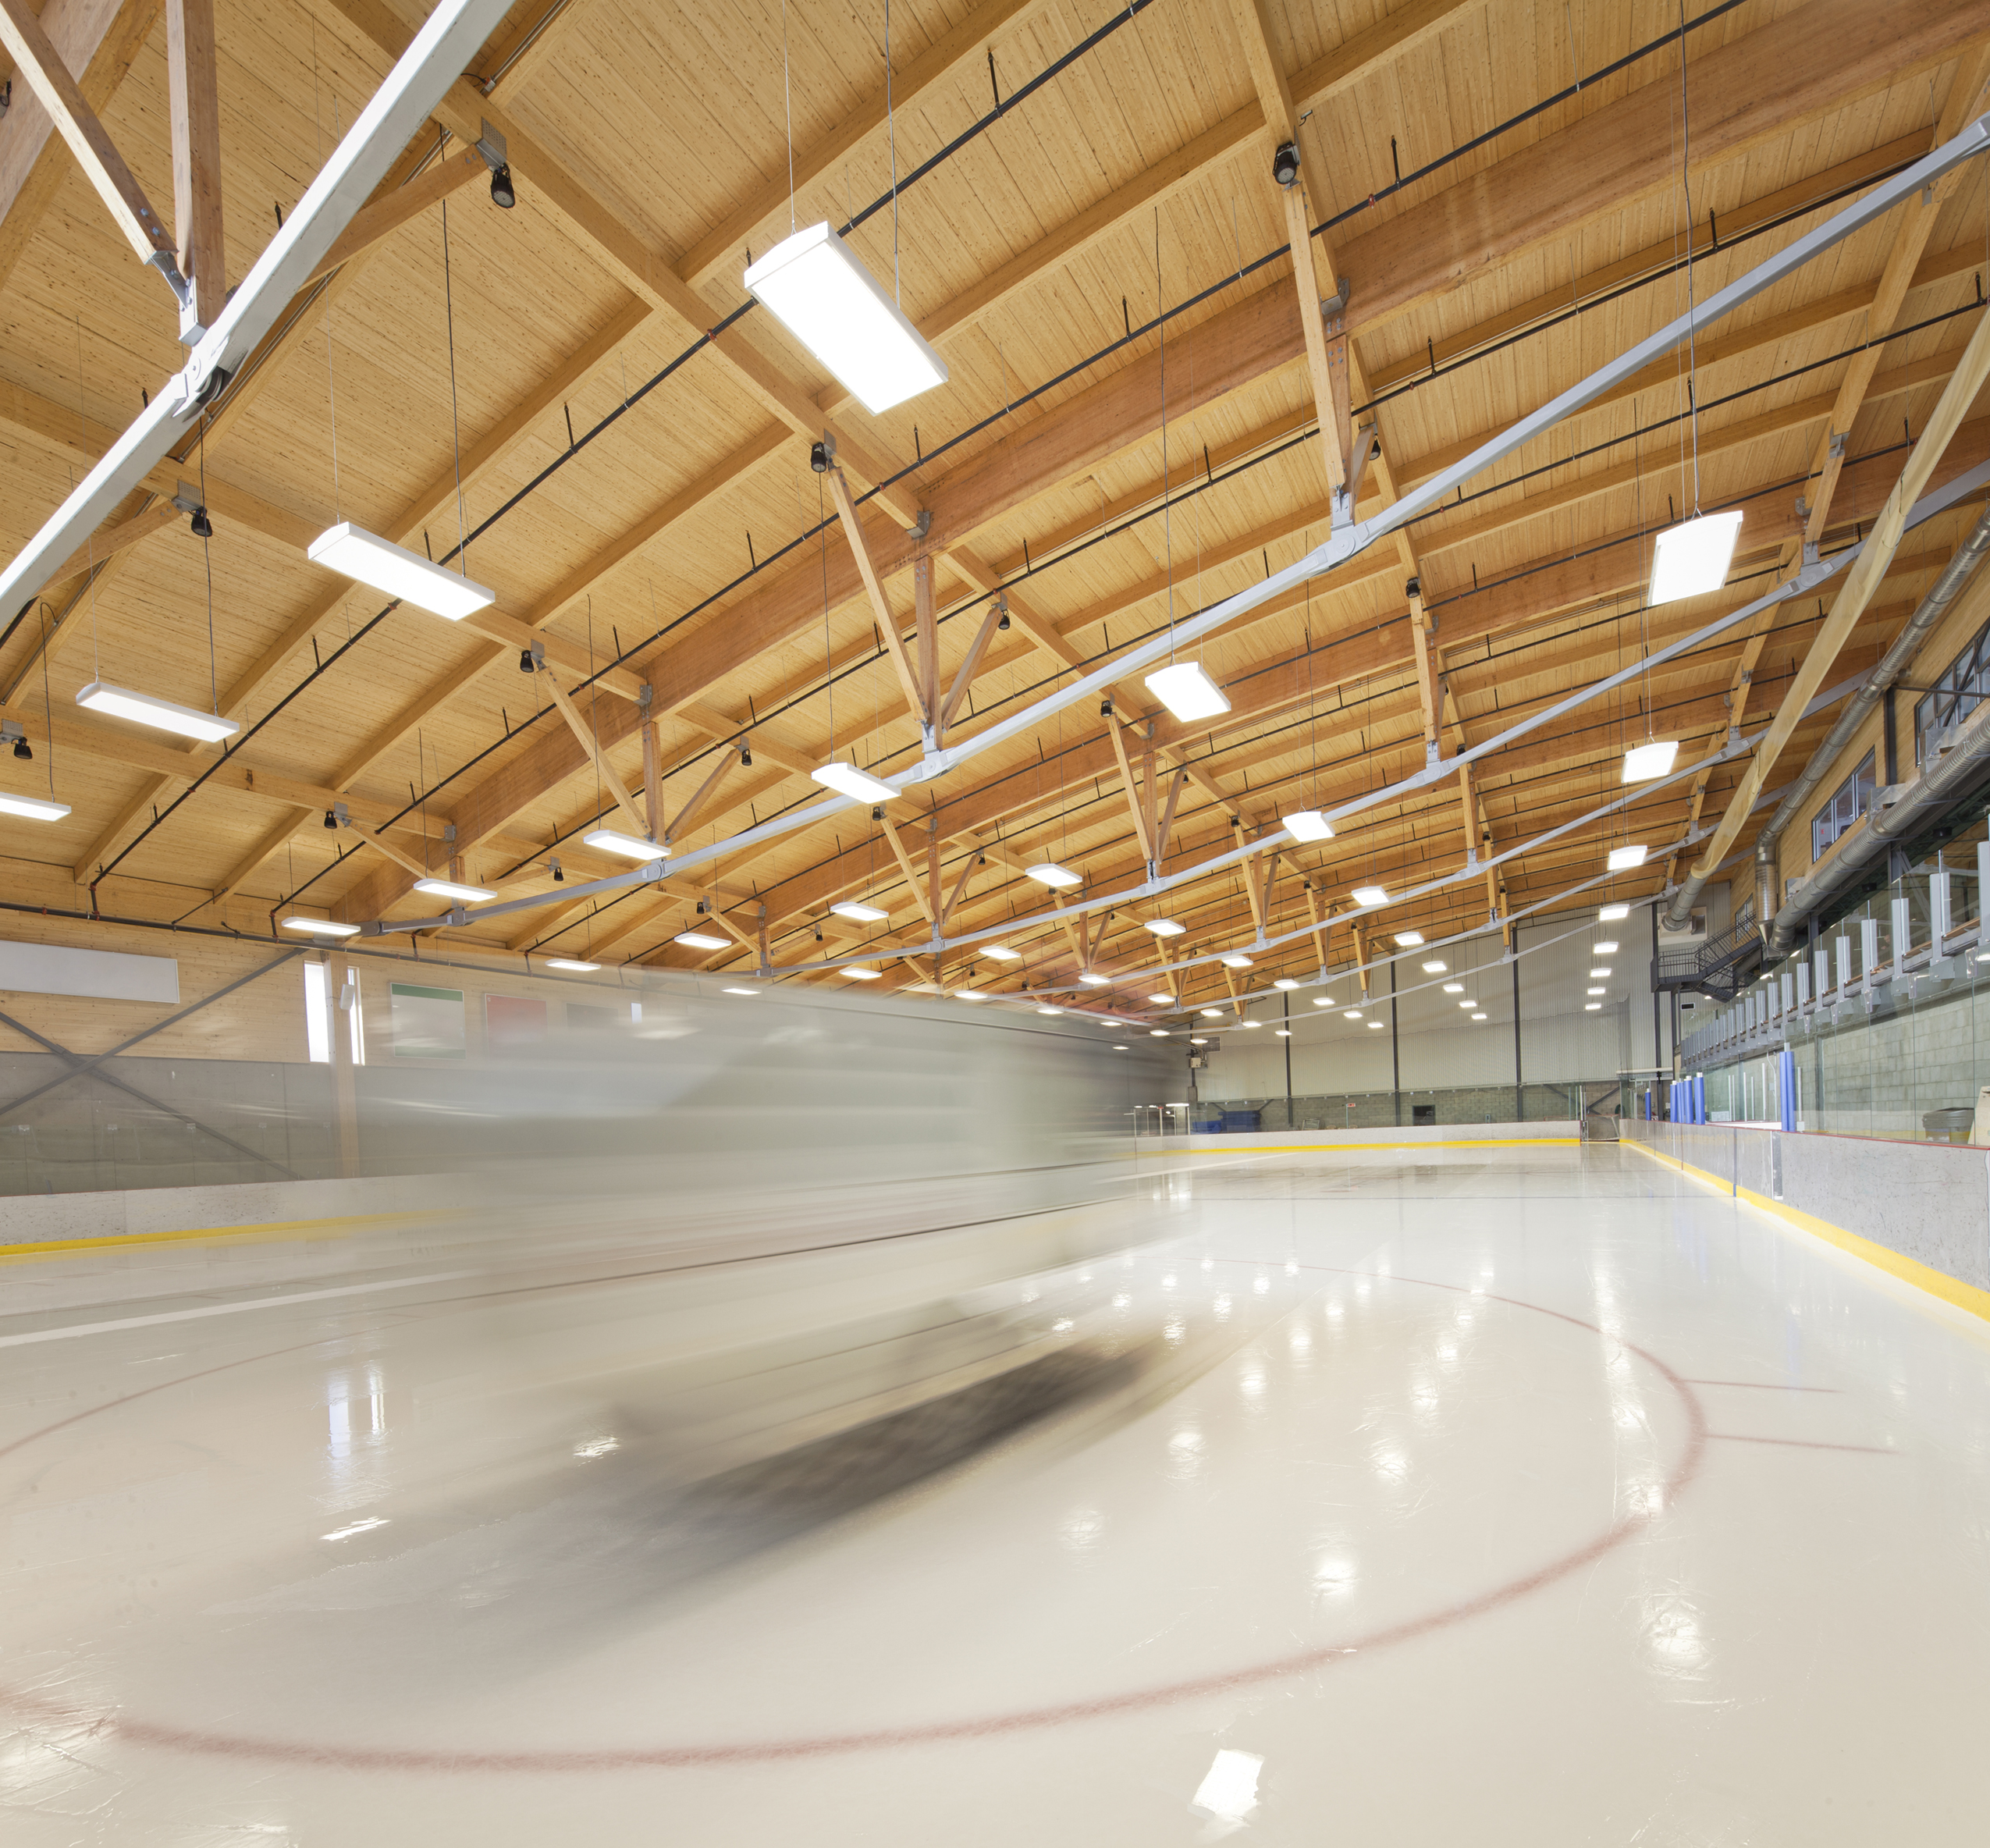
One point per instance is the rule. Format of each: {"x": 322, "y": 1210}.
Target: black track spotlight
{"x": 1285, "y": 163}
{"x": 203, "y": 528}
{"x": 22, "y": 752}
{"x": 1105, "y": 708}
{"x": 503, "y": 192}
{"x": 819, "y": 457}
{"x": 559, "y": 877}
{"x": 1004, "y": 623}
{"x": 746, "y": 757}
{"x": 877, "y": 814}
{"x": 526, "y": 663}
{"x": 331, "y": 820}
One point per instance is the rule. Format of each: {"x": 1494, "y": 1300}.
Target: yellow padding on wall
{"x": 1923, "y": 1276}
{"x": 286, "y": 1229}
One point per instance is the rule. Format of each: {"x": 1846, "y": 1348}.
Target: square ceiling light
{"x": 354, "y": 553}
{"x": 1613, "y": 914}
{"x": 1435, "y": 967}
{"x": 1235, "y": 962}
{"x": 1307, "y": 824}
{"x": 1642, "y": 762}
{"x": 1693, "y": 558}
{"x": 1284, "y": 982}
{"x": 818, "y": 288}
{"x": 699, "y": 939}
{"x": 1187, "y": 691}
{"x": 1091, "y": 981}
{"x": 453, "y": 888}
{"x": 1048, "y": 872}
{"x": 1165, "y": 927}
{"x": 1001, "y": 952}
{"x": 1368, "y": 897}
{"x": 1409, "y": 940}
{"x": 859, "y": 913}
{"x": 1623, "y": 858}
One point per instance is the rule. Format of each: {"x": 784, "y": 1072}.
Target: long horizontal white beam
{"x": 448, "y": 39}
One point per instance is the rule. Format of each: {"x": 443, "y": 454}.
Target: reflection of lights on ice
{"x": 1251, "y": 1385}
{"x": 1223, "y": 1309}
{"x": 1262, "y": 1284}
{"x": 1334, "y": 1573}
{"x": 597, "y": 1447}
{"x": 364, "y": 1526}
{"x": 1063, "y": 1327}
{"x": 1122, "y": 1301}
{"x": 1167, "y": 1282}
{"x": 1229, "y": 1791}
{"x": 1175, "y": 1328}
{"x": 1082, "y": 1530}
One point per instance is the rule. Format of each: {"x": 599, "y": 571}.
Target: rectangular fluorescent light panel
{"x": 817, "y": 288}
{"x": 1370, "y": 896}
{"x": 1643, "y": 761}
{"x": 320, "y": 927}
{"x": 1408, "y": 939}
{"x": 449, "y": 888}
{"x": 1236, "y": 962}
{"x": 1284, "y": 982}
{"x": 1307, "y": 824}
{"x": 861, "y": 914}
{"x": 1607, "y": 948}
{"x": 847, "y": 780}
{"x": 1096, "y": 981}
{"x": 1162, "y": 1000}
{"x": 188, "y": 721}
{"x": 1692, "y": 557}
{"x": 1001, "y": 952}
{"x": 32, "y": 808}
{"x": 857, "y": 975}
{"x": 1166, "y": 927}
{"x": 1187, "y": 691}
{"x": 612, "y": 841}
{"x": 1623, "y": 858}
{"x": 1048, "y": 872}
{"x": 353, "y": 552}
{"x": 1613, "y": 914}
{"x": 742, "y": 991}
{"x": 573, "y": 963}
{"x": 1435, "y": 968}
{"x": 698, "y": 940}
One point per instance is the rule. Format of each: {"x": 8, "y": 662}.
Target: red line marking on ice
{"x": 361, "y": 1757}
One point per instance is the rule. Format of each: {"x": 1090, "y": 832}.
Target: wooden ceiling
{"x": 1087, "y": 225}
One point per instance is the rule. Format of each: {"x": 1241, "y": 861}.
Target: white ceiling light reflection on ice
{"x": 1229, "y": 1791}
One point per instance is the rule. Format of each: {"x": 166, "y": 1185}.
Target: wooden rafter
{"x": 611, "y": 781}
{"x": 194, "y": 98}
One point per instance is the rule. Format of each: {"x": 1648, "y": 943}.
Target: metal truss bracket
{"x": 490, "y": 145}
{"x": 922, "y": 526}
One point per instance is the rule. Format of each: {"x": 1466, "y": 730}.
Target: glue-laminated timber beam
{"x": 964, "y": 675}
{"x": 611, "y": 780}
{"x": 919, "y": 895}
{"x": 40, "y": 68}
{"x": 681, "y": 672}
{"x": 382, "y": 216}
{"x": 1233, "y": 347}
{"x": 194, "y": 101}
{"x": 1860, "y": 582}
{"x": 1136, "y": 807}
{"x": 867, "y": 570}
{"x": 700, "y": 796}
{"x": 97, "y": 40}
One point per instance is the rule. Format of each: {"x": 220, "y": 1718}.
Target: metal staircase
{"x": 1718, "y": 967}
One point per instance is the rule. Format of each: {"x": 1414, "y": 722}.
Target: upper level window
{"x": 1954, "y": 694}
{"x": 1838, "y": 814}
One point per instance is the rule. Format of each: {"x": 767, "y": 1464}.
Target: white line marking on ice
{"x": 227, "y": 1308}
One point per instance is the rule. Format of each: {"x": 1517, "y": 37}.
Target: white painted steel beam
{"x": 451, "y": 37}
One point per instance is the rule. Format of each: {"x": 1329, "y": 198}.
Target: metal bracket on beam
{"x": 186, "y": 497}
{"x": 339, "y": 810}
{"x": 490, "y": 145}
{"x": 1335, "y": 306}
{"x": 921, "y": 527}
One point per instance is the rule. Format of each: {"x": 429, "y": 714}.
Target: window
{"x": 1954, "y": 694}
{"x": 1837, "y": 815}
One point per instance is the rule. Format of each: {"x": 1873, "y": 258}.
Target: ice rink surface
{"x": 1533, "y": 1495}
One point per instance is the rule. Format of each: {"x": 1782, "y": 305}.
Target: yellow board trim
{"x": 1965, "y": 1296}
{"x": 282, "y": 1228}
{"x": 1497, "y": 1142}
